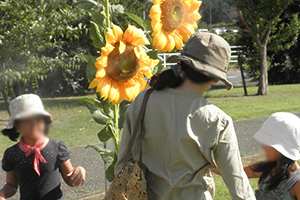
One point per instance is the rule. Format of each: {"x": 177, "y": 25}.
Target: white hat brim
{"x": 10, "y": 123}
{"x": 285, "y": 149}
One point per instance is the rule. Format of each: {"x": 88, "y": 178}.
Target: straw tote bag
{"x": 130, "y": 182}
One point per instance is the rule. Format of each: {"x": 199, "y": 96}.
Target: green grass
{"x": 222, "y": 193}
{"x": 282, "y": 98}
{"x": 72, "y": 123}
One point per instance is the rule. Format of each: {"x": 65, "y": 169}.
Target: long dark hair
{"x": 13, "y": 134}
{"x": 167, "y": 78}
{"x": 277, "y": 170}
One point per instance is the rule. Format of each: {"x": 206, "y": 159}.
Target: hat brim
{"x": 202, "y": 67}
{"x": 44, "y": 113}
{"x": 266, "y": 139}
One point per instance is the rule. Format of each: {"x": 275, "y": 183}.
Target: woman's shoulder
{"x": 296, "y": 189}
{"x": 212, "y": 113}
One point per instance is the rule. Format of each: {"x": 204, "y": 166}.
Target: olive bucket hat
{"x": 208, "y": 54}
{"x": 24, "y": 106}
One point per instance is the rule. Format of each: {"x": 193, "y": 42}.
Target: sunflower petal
{"x": 156, "y": 1}
{"x": 103, "y": 87}
{"x": 114, "y": 93}
{"x": 117, "y": 32}
{"x": 127, "y": 37}
{"x": 170, "y": 44}
{"x": 122, "y": 47}
{"x": 160, "y": 41}
{"x": 102, "y": 61}
{"x": 137, "y": 52}
{"x": 105, "y": 51}
{"x": 94, "y": 83}
{"x": 101, "y": 72}
{"x": 110, "y": 37}
{"x": 155, "y": 9}
{"x": 178, "y": 41}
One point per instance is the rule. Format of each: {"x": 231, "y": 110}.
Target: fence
{"x": 234, "y": 56}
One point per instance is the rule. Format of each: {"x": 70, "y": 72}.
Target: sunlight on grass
{"x": 222, "y": 191}
{"x": 283, "y": 98}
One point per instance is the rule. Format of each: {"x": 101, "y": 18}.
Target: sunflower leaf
{"x": 116, "y": 9}
{"x": 92, "y": 101}
{"x": 96, "y": 35}
{"x": 90, "y": 67}
{"x": 106, "y": 154}
{"x": 122, "y": 113}
{"x": 138, "y": 20}
{"x": 86, "y": 4}
{"x": 106, "y": 133}
{"x": 110, "y": 172}
{"x": 98, "y": 116}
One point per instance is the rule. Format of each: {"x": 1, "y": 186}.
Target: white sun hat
{"x": 282, "y": 132}
{"x": 24, "y": 106}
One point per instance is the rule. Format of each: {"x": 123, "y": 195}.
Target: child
{"x": 35, "y": 162}
{"x": 279, "y": 175}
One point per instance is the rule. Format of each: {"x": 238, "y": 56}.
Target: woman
{"x": 183, "y": 134}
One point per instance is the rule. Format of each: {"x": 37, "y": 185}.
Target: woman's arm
{"x": 228, "y": 160}
{"x": 72, "y": 176}
{"x": 11, "y": 186}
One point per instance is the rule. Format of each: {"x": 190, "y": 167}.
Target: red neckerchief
{"x": 37, "y": 154}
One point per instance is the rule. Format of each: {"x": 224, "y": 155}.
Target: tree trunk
{"x": 263, "y": 79}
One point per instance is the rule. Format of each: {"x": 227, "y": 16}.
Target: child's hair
{"x": 281, "y": 172}
{"x": 167, "y": 78}
{"x": 13, "y": 133}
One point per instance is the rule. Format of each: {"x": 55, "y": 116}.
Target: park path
{"x": 91, "y": 161}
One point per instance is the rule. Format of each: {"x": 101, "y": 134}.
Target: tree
{"x": 38, "y": 38}
{"x": 284, "y": 57}
{"x": 258, "y": 18}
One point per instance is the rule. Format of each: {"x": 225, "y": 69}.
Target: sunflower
{"x": 173, "y": 21}
{"x": 122, "y": 65}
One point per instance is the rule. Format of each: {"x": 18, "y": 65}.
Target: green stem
{"x": 116, "y": 121}
{"x": 107, "y": 14}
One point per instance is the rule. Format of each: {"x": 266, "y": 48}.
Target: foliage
{"x": 283, "y": 37}
{"x": 37, "y": 42}
{"x": 259, "y": 19}
{"x": 284, "y": 55}
{"x": 223, "y": 11}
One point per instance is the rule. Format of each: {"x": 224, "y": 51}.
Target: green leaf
{"x": 98, "y": 116}
{"x": 106, "y": 133}
{"x": 116, "y": 9}
{"x": 107, "y": 109}
{"x": 86, "y": 4}
{"x": 96, "y": 35}
{"x": 92, "y": 101}
{"x": 98, "y": 18}
{"x": 90, "y": 67}
{"x": 110, "y": 172}
{"x": 122, "y": 113}
{"x": 106, "y": 154}
{"x": 138, "y": 20}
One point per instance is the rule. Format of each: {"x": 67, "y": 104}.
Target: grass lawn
{"x": 235, "y": 104}
{"x": 222, "y": 191}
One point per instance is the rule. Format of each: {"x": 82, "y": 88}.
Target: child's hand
{"x": 76, "y": 177}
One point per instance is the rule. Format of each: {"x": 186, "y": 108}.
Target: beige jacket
{"x": 183, "y": 135}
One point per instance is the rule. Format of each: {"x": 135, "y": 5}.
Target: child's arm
{"x": 296, "y": 190}
{"x": 72, "y": 176}
{"x": 11, "y": 186}
{"x": 250, "y": 173}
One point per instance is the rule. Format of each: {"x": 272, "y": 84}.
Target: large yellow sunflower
{"x": 173, "y": 21}
{"x": 122, "y": 65}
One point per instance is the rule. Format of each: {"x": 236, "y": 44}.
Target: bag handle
{"x": 136, "y": 128}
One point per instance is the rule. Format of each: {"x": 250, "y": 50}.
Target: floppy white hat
{"x": 24, "y": 106}
{"x": 282, "y": 132}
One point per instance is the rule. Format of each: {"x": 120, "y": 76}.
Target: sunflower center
{"x": 172, "y": 15}
{"x": 122, "y": 67}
